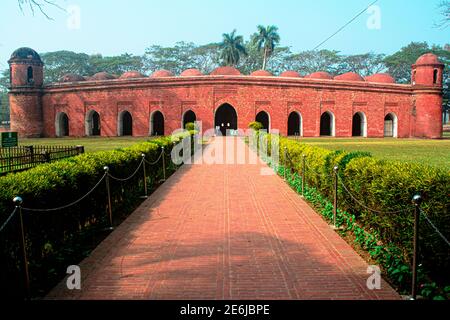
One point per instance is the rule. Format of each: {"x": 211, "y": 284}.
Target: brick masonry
{"x": 417, "y": 106}
{"x": 224, "y": 232}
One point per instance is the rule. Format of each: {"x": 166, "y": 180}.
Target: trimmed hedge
{"x": 58, "y": 239}
{"x": 387, "y": 187}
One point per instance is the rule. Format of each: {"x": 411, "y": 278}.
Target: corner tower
{"x": 427, "y": 76}
{"x": 26, "y": 80}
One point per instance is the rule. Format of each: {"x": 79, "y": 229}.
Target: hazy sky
{"x": 115, "y": 26}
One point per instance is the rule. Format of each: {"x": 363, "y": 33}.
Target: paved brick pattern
{"x": 224, "y": 232}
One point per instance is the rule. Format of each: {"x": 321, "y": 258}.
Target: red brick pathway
{"x": 224, "y": 232}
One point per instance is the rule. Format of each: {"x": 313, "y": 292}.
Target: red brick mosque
{"x": 315, "y": 105}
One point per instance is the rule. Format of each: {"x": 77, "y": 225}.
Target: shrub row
{"x": 387, "y": 187}
{"x": 58, "y": 239}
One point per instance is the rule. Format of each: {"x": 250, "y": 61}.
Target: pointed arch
{"x": 188, "y": 117}
{"x": 93, "y": 123}
{"x": 391, "y": 125}
{"x": 263, "y": 117}
{"x": 327, "y": 124}
{"x": 62, "y": 125}
{"x": 157, "y": 123}
{"x": 359, "y": 125}
{"x": 226, "y": 119}
{"x": 125, "y": 124}
{"x": 295, "y": 124}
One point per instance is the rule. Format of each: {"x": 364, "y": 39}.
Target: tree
{"x": 311, "y": 61}
{"x": 116, "y": 65}
{"x": 38, "y": 5}
{"x": 444, "y": 8}
{"x": 232, "y": 48}
{"x": 362, "y": 64}
{"x": 266, "y": 40}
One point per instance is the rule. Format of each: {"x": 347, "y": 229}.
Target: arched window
{"x": 189, "y": 117}
{"x": 226, "y": 120}
{"x": 263, "y": 118}
{"x": 359, "y": 125}
{"x": 327, "y": 124}
{"x": 125, "y": 124}
{"x": 157, "y": 124}
{"x": 92, "y": 123}
{"x": 295, "y": 125}
{"x": 30, "y": 77}
{"x": 62, "y": 125}
{"x": 435, "y": 76}
{"x": 391, "y": 126}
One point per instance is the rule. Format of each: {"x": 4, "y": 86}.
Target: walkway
{"x": 224, "y": 232}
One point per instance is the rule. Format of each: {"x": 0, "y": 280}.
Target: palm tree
{"x": 267, "y": 38}
{"x": 232, "y": 48}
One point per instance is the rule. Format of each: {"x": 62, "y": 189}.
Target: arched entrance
{"x": 359, "y": 125}
{"x": 295, "y": 124}
{"x": 327, "y": 124}
{"x": 125, "y": 124}
{"x": 157, "y": 124}
{"x": 189, "y": 117}
{"x": 263, "y": 118}
{"x": 62, "y": 125}
{"x": 226, "y": 119}
{"x": 390, "y": 126}
{"x": 92, "y": 125}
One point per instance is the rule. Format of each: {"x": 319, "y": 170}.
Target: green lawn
{"x": 431, "y": 152}
{"x": 90, "y": 144}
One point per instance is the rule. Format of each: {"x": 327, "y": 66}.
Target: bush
{"x": 387, "y": 187}
{"x": 57, "y": 239}
{"x": 190, "y": 126}
{"x": 256, "y": 126}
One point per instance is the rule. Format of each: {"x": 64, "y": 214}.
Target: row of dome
{"x": 230, "y": 71}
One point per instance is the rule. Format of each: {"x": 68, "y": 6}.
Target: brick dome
{"x": 290, "y": 74}
{"x": 428, "y": 58}
{"x": 25, "y": 54}
{"x": 162, "y": 74}
{"x": 191, "y": 73}
{"x": 261, "y": 73}
{"x": 132, "y": 75}
{"x": 72, "y": 78}
{"x": 349, "y": 76}
{"x": 102, "y": 76}
{"x": 226, "y": 71}
{"x": 320, "y": 75}
{"x": 380, "y": 78}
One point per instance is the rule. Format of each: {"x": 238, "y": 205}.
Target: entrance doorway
{"x": 226, "y": 119}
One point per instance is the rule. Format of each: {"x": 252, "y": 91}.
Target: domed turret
{"x": 261, "y": 73}
{"x": 226, "y": 71}
{"x": 132, "y": 75}
{"x": 427, "y": 70}
{"x": 162, "y": 74}
{"x": 27, "y": 78}
{"x": 320, "y": 75}
{"x": 70, "y": 77}
{"x": 191, "y": 73}
{"x": 290, "y": 74}
{"x": 102, "y": 76}
{"x": 380, "y": 78}
{"x": 349, "y": 76}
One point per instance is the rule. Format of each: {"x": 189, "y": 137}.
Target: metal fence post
{"x": 145, "y": 177}
{"x": 18, "y": 202}
{"x": 109, "y": 197}
{"x": 335, "y": 204}
{"x": 417, "y": 200}
{"x": 303, "y": 174}
{"x": 164, "y": 163}
{"x": 285, "y": 163}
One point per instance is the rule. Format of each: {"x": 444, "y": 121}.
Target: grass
{"x": 91, "y": 144}
{"x": 430, "y": 152}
